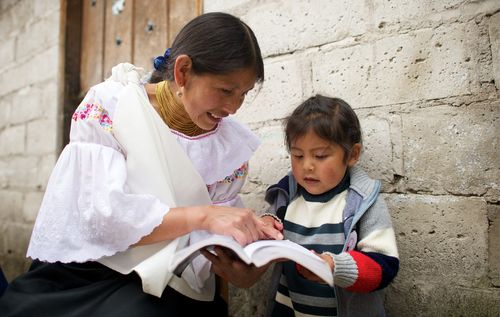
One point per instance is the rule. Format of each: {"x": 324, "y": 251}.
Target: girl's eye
{"x": 226, "y": 91}
{"x": 321, "y": 157}
{"x": 297, "y": 156}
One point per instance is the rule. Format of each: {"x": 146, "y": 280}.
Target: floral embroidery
{"x": 94, "y": 111}
{"x": 239, "y": 173}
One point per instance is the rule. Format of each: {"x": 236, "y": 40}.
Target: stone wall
{"x": 424, "y": 78}
{"x": 30, "y": 120}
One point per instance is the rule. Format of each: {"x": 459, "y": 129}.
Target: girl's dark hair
{"x": 332, "y": 119}
{"x": 217, "y": 43}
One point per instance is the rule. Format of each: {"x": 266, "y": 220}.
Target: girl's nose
{"x": 308, "y": 165}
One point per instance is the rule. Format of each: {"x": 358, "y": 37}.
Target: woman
{"x": 149, "y": 164}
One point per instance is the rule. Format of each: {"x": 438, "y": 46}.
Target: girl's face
{"x": 318, "y": 165}
{"x": 208, "y": 98}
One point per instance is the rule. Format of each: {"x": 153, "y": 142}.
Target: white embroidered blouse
{"x": 88, "y": 212}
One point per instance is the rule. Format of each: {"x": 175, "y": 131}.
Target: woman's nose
{"x": 234, "y": 104}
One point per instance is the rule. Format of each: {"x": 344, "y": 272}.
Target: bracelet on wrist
{"x": 271, "y": 215}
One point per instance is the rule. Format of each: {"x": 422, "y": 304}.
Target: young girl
{"x": 149, "y": 164}
{"x": 331, "y": 206}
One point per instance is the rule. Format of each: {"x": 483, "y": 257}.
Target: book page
{"x": 264, "y": 251}
{"x": 185, "y": 255}
{"x": 258, "y": 253}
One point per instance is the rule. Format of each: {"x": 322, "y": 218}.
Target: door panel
{"x": 134, "y": 31}
{"x": 103, "y": 33}
{"x": 150, "y": 32}
{"x": 118, "y": 35}
{"x": 91, "y": 63}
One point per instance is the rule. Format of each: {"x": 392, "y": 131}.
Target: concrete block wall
{"x": 424, "y": 78}
{"x": 30, "y": 122}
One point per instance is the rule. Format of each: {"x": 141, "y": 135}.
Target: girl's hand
{"x": 270, "y": 222}
{"x": 233, "y": 270}
{"x": 240, "y": 223}
{"x": 310, "y": 275}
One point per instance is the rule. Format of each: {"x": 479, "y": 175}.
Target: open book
{"x": 258, "y": 253}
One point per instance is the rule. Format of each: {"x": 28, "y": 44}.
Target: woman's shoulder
{"x": 105, "y": 94}
{"x": 218, "y": 153}
{"x": 107, "y": 91}
{"x": 93, "y": 119}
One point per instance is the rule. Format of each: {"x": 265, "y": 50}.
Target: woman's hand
{"x": 230, "y": 268}
{"x": 240, "y": 223}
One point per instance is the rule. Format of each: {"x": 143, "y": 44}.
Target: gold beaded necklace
{"x": 173, "y": 112}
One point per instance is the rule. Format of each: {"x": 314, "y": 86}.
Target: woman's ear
{"x": 354, "y": 155}
{"x": 182, "y": 69}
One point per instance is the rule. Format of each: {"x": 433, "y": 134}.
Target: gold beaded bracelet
{"x": 271, "y": 215}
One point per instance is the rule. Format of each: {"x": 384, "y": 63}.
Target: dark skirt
{"x": 3, "y": 282}
{"x": 92, "y": 289}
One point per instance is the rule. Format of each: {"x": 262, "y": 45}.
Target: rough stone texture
{"x": 7, "y": 53}
{"x": 14, "y": 243}
{"x": 441, "y": 239}
{"x": 254, "y": 298}
{"x": 461, "y": 141}
{"x": 29, "y": 42}
{"x": 494, "y": 244}
{"x": 300, "y": 24}
{"x": 494, "y": 30}
{"x": 418, "y": 65}
{"x": 12, "y": 140}
{"x": 29, "y": 119}
{"x": 291, "y": 90}
{"x": 443, "y": 244}
{"x": 382, "y": 155}
{"x": 47, "y": 67}
{"x": 425, "y": 299}
{"x": 266, "y": 168}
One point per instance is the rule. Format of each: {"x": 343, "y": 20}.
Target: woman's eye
{"x": 226, "y": 91}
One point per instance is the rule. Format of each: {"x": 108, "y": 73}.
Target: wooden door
{"x": 133, "y": 31}
{"x": 102, "y": 33}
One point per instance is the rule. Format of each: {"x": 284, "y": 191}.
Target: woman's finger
{"x": 254, "y": 232}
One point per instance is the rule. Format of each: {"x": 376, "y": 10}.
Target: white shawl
{"x": 156, "y": 165}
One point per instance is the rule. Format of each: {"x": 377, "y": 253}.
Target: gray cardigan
{"x": 365, "y": 211}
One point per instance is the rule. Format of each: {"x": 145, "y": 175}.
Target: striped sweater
{"x": 363, "y": 243}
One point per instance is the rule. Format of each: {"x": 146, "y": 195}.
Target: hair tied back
{"x": 160, "y": 61}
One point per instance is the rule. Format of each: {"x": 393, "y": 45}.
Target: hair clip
{"x": 159, "y": 61}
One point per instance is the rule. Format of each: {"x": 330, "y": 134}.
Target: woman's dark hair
{"x": 332, "y": 119}
{"x": 217, "y": 43}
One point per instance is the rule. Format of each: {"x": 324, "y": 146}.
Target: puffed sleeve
{"x": 87, "y": 211}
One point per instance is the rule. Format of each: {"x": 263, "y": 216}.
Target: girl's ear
{"x": 182, "y": 69}
{"x": 355, "y": 155}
